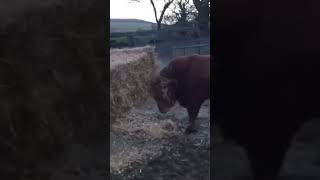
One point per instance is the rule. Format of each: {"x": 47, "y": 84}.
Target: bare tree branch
{"x": 203, "y": 9}
{"x": 197, "y": 4}
{"x": 154, "y": 10}
{"x": 165, "y": 7}
{"x": 200, "y": 3}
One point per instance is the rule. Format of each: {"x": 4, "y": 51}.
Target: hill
{"x": 129, "y": 25}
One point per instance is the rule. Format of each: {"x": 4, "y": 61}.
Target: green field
{"x": 123, "y": 39}
{"x": 129, "y": 25}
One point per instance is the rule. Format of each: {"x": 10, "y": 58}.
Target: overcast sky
{"x": 123, "y": 9}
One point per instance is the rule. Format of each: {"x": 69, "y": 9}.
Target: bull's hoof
{"x": 190, "y": 130}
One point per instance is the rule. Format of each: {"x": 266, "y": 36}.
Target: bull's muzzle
{"x": 163, "y": 109}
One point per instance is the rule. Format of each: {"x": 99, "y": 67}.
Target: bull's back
{"x": 193, "y": 74}
{"x": 199, "y": 74}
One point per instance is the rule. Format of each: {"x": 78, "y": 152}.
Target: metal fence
{"x": 191, "y": 49}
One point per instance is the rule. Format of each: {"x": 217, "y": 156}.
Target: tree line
{"x": 182, "y": 12}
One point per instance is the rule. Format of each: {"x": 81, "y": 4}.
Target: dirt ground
{"x": 302, "y": 161}
{"x": 146, "y": 144}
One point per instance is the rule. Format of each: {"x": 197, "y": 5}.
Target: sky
{"x": 122, "y": 9}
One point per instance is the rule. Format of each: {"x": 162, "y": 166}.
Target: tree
{"x": 183, "y": 12}
{"x": 203, "y": 8}
{"x": 166, "y": 5}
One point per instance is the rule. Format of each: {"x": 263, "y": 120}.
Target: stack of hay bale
{"x": 130, "y": 73}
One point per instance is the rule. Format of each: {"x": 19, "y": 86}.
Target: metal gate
{"x": 191, "y": 49}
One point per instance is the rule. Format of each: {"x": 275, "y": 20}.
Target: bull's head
{"x": 163, "y": 91}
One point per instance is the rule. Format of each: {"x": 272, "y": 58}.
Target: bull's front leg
{"x": 193, "y": 111}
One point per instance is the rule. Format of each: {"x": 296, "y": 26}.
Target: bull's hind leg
{"x": 193, "y": 111}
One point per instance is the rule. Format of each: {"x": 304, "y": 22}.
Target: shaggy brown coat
{"x": 187, "y": 80}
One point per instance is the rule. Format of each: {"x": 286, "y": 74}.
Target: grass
{"x": 129, "y": 26}
{"x": 139, "y": 39}
{"x": 144, "y": 39}
{"x": 123, "y": 39}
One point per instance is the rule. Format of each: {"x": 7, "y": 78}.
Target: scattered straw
{"x": 138, "y": 136}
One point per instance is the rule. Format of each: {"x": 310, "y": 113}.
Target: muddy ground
{"x": 146, "y": 144}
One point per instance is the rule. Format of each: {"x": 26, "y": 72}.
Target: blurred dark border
{"x": 54, "y": 82}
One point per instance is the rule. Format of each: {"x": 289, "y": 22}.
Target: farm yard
{"x": 145, "y": 144}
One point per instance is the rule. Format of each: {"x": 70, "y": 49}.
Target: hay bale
{"x": 130, "y": 73}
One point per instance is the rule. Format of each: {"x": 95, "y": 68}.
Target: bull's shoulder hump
{"x": 183, "y": 62}
{"x": 178, "y": 63}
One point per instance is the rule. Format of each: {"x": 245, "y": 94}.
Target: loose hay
{"x": 144, "y": 134}
{"x": 138, "y": 137}
{"x": 146, "y": 129}
{"x": 130, "y": 73}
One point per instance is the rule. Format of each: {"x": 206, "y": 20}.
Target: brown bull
{"x": 187, "y": 80}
